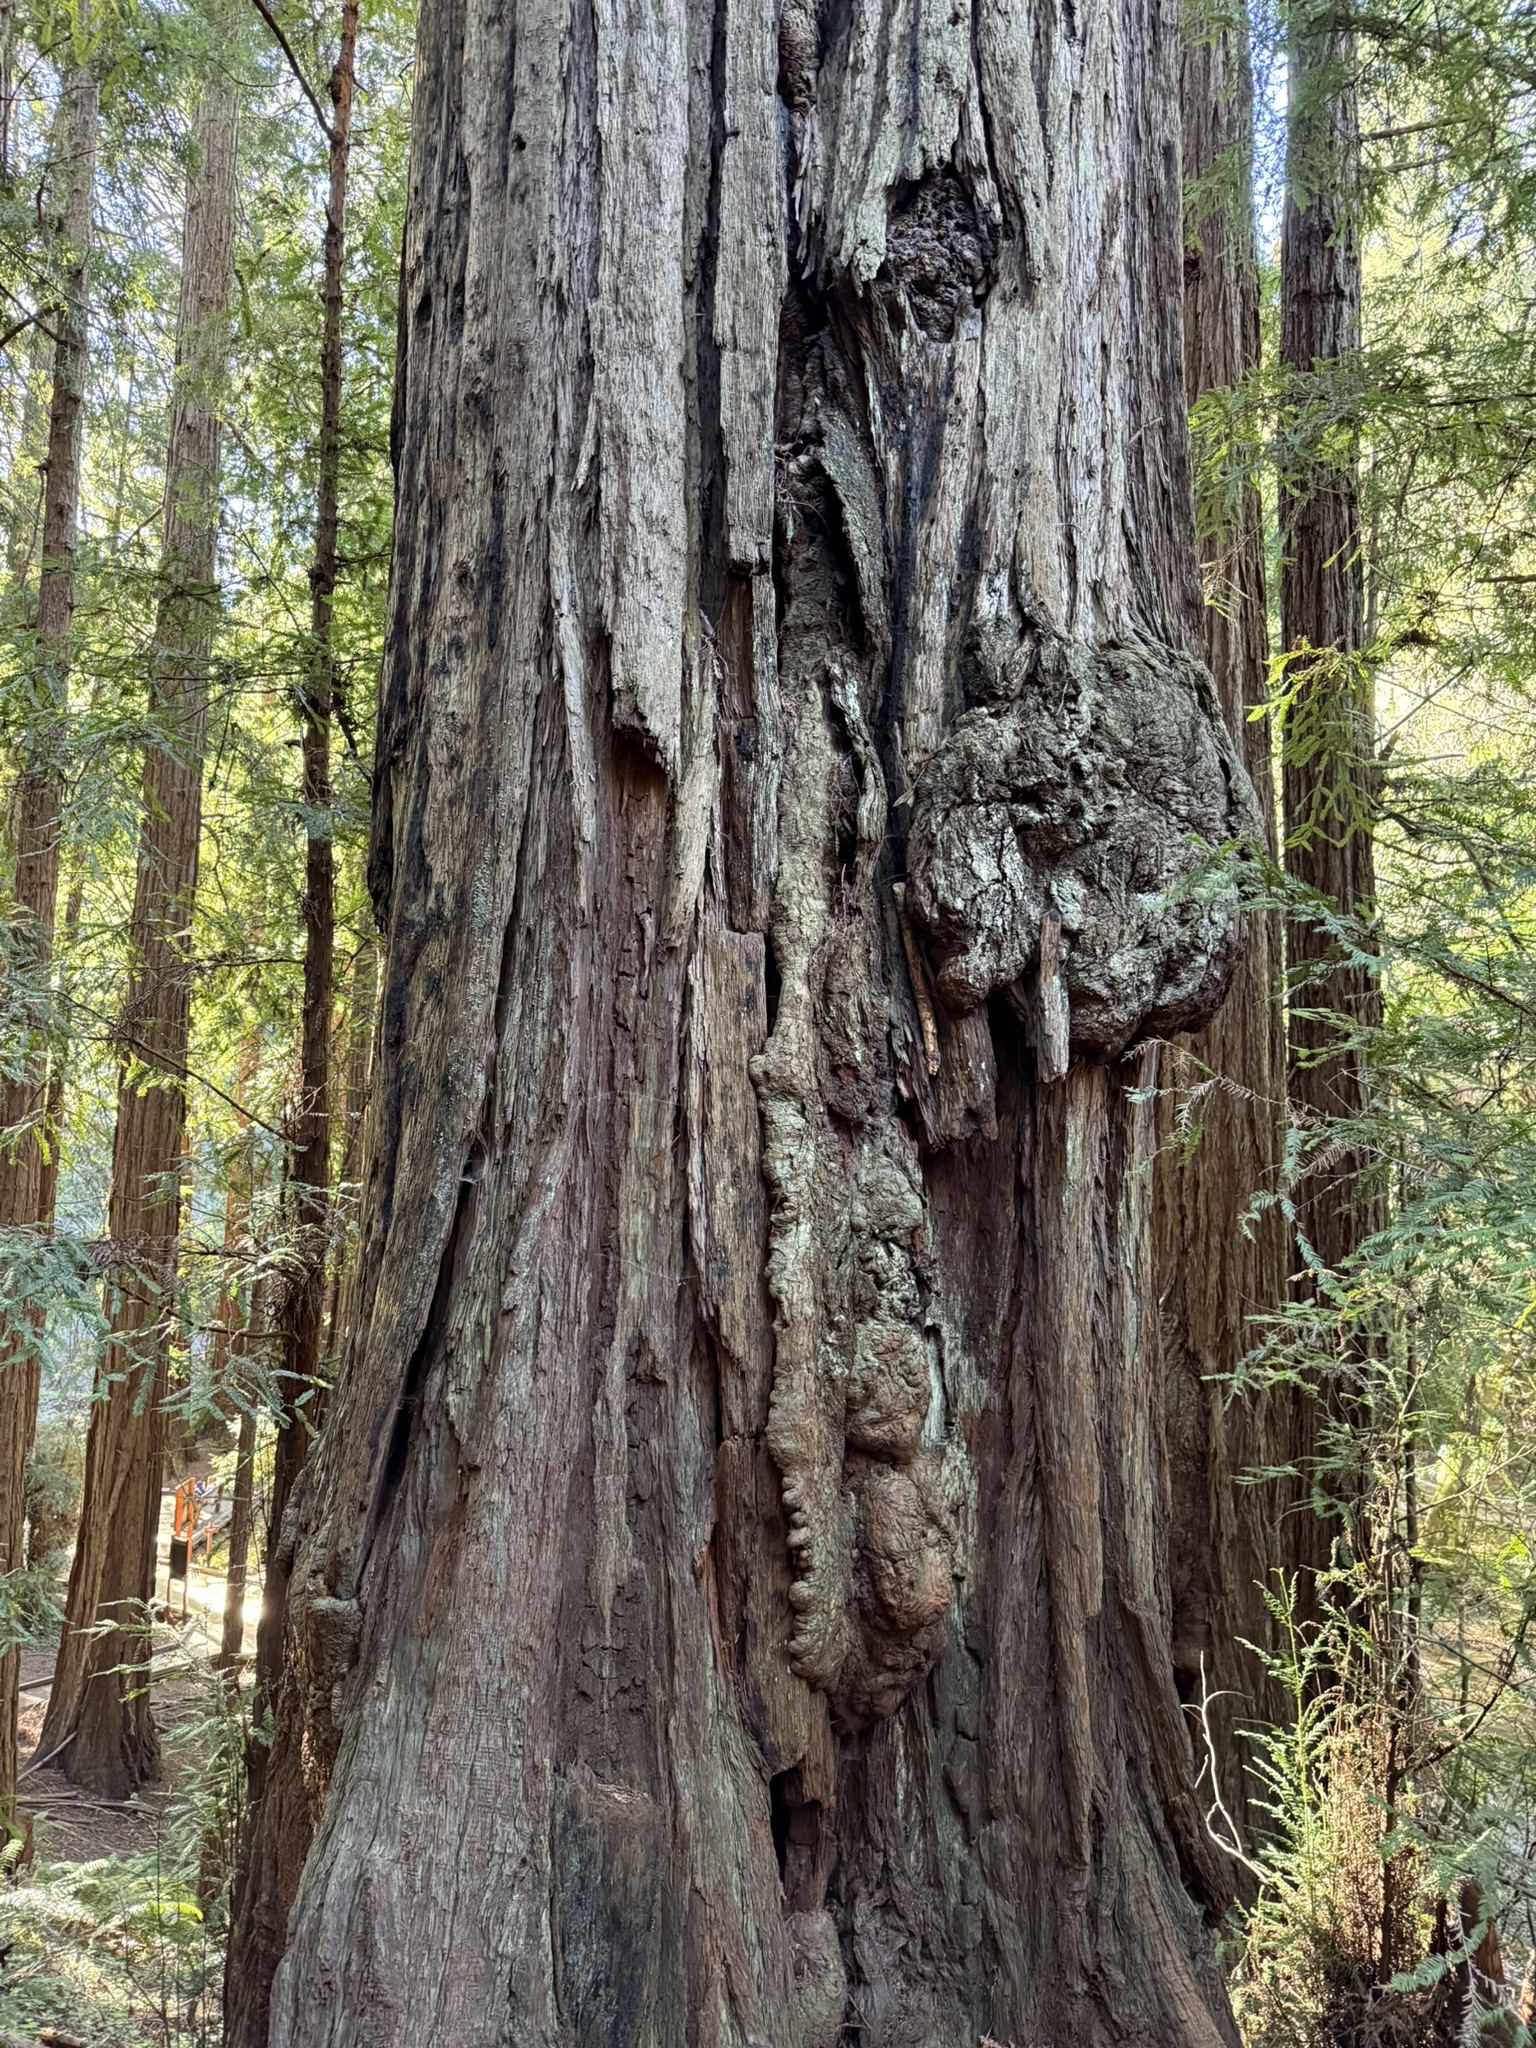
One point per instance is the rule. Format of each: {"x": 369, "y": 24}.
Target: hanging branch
{"x": 294, "y": 65}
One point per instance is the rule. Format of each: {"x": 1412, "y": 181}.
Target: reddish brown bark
{"x": 341, "y": 1286}
{"x": 98, "y": 1707}
{"x": 310, "y": 1170}
{"x": 1328, "y": 749}
{"x": 258, "y": 1942}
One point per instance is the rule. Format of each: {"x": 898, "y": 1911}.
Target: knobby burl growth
{"x": 1059, "y": 853}
{"x": 1084, "y": 789}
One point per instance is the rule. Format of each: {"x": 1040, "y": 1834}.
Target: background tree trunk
{"x": 729, "y": 1601}
{"x": 341, "y": 1285}
{"x": 1329, "y": 744}
{"x": 103, "y": 1714}
{"x": 238, "y": 1249}
{"x": 242, "y": 1497}
{"x": 310, "y": 1175}
{"x": 1225, "y": 1087}
{"x": 248, "y": 1988}
{"x": 27, "y": 1178}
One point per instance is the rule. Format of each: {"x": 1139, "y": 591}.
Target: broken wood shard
{"x": 919, "y": 981}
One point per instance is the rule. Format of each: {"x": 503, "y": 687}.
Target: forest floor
{"x": 106, "y": 1939}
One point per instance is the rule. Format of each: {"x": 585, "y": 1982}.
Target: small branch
{"x": 1233, "y": 1845}
{"x": 18, "y": 327}
{"x": 178, "y": 1070}
{"x": 37, "y": 317}
{"x": 293, "y": 65}
{"x": 1406, "y": 128}
{"x": 38, "y": 1762}
{"x": 181, "y": 1072}
{"x": 1465, "y": 979}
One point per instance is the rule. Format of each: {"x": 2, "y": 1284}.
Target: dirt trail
{"x": 74, "y": 1826}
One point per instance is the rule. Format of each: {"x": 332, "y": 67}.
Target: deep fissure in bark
{"x": 765, "y": 1606}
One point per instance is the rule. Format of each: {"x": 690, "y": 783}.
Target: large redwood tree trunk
{"x": 729, "y": 1601}
{"x": 28, "y": 1160}
{"x": 98, "y": 1705}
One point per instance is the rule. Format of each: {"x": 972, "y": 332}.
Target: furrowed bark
{"x": 100, "y": 1710}
{"x": 1221, "y": 1116}
{"x": 729, "y": 1600}
{"x": 1327, "y": 746}
{"x": 27, "y": 1175}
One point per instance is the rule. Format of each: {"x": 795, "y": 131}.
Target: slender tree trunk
{"x": 242, "y": 1500}
{"x": 1329, "y": 740}
{"x": 247, "y": 1991}
{"x": 103, "y": 1714}
{"x": 1328, "y": 736}
{"x": 341, "y": 1283}
{"x": 27, "y": 1174}
{"x": 1227, "y": 1083}
{"x": 7, "y": 94}
{"x": 311, "y": 1169}
{"x": 27, "y": 483}
{"x": 58, "y": 1067}
{"x": 729, "y": 1600}
{"x": 237, "y": 1246}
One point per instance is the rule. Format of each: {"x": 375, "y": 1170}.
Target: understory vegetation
{"x": 128, "y": 1945}
{"x": 1396, "y": 1888}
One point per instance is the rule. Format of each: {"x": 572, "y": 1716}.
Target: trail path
{"x": 74, "y": 1826}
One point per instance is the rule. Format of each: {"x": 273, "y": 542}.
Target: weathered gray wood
{"x": 729, "y": 1601}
